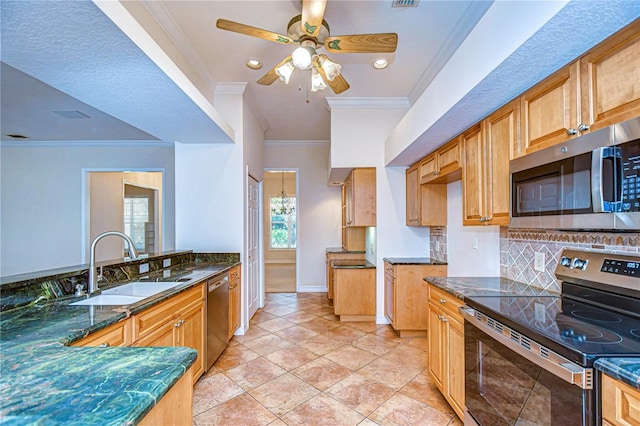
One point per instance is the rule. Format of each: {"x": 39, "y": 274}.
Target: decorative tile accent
{"x": 438, "y": 243}
{"x": 518, "y": 247}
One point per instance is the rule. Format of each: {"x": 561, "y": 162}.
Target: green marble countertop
{"x": 485, "y": 286}
{"x": 413, "y": 261}
{"x": 627, "y": 370}
{"x": 46, "y": 382}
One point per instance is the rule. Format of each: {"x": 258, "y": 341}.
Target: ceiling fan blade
{"x": 338, "y": 84}
{"x": 312, "y": 15}
{"x": 362, "y": 43}
{"x": 236, "y": 27}
{"x": 272, "y": 76}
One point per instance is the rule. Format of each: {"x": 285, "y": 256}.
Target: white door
{"x": 253, "y": 249}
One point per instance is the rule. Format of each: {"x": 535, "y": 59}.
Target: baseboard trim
{"x": 381, "y": 319}
{"x": 313, "y": 289}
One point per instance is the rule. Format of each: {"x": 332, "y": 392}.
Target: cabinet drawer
{"x": 446, "y": 301}
{"x": 389, "y": 269}
{"x": 234, "y": 273}
{"x": 118, "y": 334}
{"x": 154, "y": 317}
{"x": 620, "y": 402}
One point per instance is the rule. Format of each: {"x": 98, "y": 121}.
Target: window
{"x": 136, "y": 215}
{"x": 283, "y": 223}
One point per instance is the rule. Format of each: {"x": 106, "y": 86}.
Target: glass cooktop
{"x": 576, "y": 330}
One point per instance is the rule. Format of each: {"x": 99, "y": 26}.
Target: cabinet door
{"x": 473, "y": 184}
{"x": 348, "y": 201}
{"x": 610, "y": 79}
{"x": 455, "y": 365}
{"x": 435, "y": 355}
{"x": 449, "y": 158}
{"x": 163, "y": 335}
{"x": 501, "y": 137}
{"x": 191, "y": 335}
{"x": 389, "y": 294}
{"x": 363, "y": 198}
{"x": 428, "y": 168}
{"x": 413, "y": 196}
{"x": 550, "y": 110}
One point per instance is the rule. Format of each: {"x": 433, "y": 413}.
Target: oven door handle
{"x": 544, "y": 357}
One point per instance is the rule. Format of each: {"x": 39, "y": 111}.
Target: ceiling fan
{"x": 311, "y": 32}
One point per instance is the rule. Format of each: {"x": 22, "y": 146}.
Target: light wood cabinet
{"x": 175, "y": 407}
{"x": 443, "y": 165}
{"x": 335, "y": 256}
{"x": 426, "y": 204}
{"x": 234, "y": 300}
{"x": 360, "y": 198}
{"x": 620, "y": 403}
{"x": 446, "y": 347}
{"x": 487, "y": 149}
{"x": 406, "y": 297}
{"x": 118, "y": 334}
{"x": 353, "y": 237}
{"x": 178, "y": 321}
{"x": 610, "y": 79}
{"x": 354, "y": 294}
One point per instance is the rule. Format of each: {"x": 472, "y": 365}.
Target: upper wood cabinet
{"x": 610, "y": 79}
{"x": 426, "y": 204}
{"x": 487, "y": 149}
{"x": 599, "y": 89}
{"x": 443, "y": 165}
{"x": 360, "y": 198}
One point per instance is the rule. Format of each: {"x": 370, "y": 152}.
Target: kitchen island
{"x": 46, "y": 381}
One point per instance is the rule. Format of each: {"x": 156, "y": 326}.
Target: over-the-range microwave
{"x": 591, "y": 182}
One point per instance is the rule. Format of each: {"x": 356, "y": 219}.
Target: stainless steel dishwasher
{"x": 217, "y": 317}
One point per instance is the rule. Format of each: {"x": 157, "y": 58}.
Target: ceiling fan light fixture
{"x": 301, "y": 57}
{"x": 285, "y": 71}
{"x": 331, "y": 69}
{"x": 317, "y": 83}
{"x": 380, "y": 64}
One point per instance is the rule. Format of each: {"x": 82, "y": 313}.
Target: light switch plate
{"x": 538, "y": 261}
{"x": 144, "y": 267}
{"x": 166, "y": 263}
{"x": 474, "y": 243}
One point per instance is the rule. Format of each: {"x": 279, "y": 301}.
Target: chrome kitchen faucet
{"x": 93, "y": 279}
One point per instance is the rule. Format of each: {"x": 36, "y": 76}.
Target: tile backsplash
{"x": 438, "y": 243}
{"x": 518, "y": 248}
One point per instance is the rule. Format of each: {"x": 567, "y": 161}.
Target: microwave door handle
{"x": 598, "y": 179}
{"x": 597, "y": 159}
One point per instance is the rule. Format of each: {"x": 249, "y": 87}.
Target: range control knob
{"x": 580, "y": 263}
{"x": 565, "y": 261}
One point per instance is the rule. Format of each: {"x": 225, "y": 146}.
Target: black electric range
{"x": 513, "y": 340}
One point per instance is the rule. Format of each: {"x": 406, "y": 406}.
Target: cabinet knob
{"x": 583, "y": 127}
{"x": 440, "y": 317}
{"x": 443, "y": 300}
{"x": 104, "y": 345}
{"x": 177, "y": 324}
{"x": 444, "y": 319}
{"x": 572, "y": 132}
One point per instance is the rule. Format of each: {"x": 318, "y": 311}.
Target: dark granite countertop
{"x": 412, "y": 261}
{"x": 462, "y": 287}
{"x": 627, "y": 370}
{"x": 46, "y": 382}
{"x": 352, "y": 264}
{"x": 341, "y": 250}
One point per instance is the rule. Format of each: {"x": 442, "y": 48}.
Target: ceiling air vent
{"x": 71, "y": 114}
{"x": 16, "y": 136}
{"x": 404, "y": 3}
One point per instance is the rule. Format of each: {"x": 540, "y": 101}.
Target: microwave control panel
{"x": 631, "y": 176}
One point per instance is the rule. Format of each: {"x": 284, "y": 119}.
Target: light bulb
{"x": 317, "y": 83}
{"x": 330, "y": 68}
{"x": 285, "y": 71}
{"x": 301, "y": 57}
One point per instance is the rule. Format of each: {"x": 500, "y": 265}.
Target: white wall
{"x": 319, "y": 206}
{"x": 41, "y": 219}
{"x": 463, "y": 259}
{"x": 358, "y": 135}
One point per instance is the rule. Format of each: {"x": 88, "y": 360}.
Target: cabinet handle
{"x": 181, "y": 322}
{"x": 572, "y": 132}
{"x": 104, "y": 345}
{"x": 440, "y": 317}
{"x": 583, "y": 127}
{"x": 443, "y": 300}
{"x": 485, "y": 219}
{"x": 177, "y": 324}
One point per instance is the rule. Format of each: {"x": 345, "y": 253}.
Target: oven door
{"x": 506, "y": 386}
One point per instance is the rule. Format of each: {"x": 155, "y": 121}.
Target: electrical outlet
{"x": 538, "y": 261}
{"x": 144, "y": 267}
{"x": 437, "y": 245}
{"x": 166, "y": 263}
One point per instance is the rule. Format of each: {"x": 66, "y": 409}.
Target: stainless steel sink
{"x": 109, "y": 299}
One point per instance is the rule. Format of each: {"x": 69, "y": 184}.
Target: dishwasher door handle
{"x": 217, "y": 284}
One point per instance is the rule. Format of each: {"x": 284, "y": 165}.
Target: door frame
{"x": 261, "y": 294}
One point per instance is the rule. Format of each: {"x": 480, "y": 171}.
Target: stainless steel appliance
{"x": 217, "y": 317}
{"x": 590, "y": 182}
{"x": 529, "y": 359}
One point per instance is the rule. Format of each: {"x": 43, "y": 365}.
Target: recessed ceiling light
{"x": 380, "y": 64}
{"x": 254, "y": 64}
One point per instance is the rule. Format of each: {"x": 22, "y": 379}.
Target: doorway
{"x": 280, "y": 223}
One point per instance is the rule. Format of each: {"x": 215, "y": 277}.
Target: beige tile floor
{"x": 298, "y": 365}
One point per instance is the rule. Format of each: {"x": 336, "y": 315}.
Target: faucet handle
{"x": 80, "y": 290}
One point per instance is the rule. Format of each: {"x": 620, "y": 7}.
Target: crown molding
{"x": 230, "y": 88}
{"x": 297, "y": 142}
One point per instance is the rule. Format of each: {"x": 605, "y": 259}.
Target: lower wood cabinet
{"x": 354, "y": 294}
{"x": 234, "y": 300}
{"x": 446, "y": 347}
{"x": 332, "y": 255}
{"x": 620, "y": 403}
{"x": 178, "y": 321}
{"x": 118, "y": 334}
{"x": 175, "y": 407}
{"x": 406, "y": 297}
